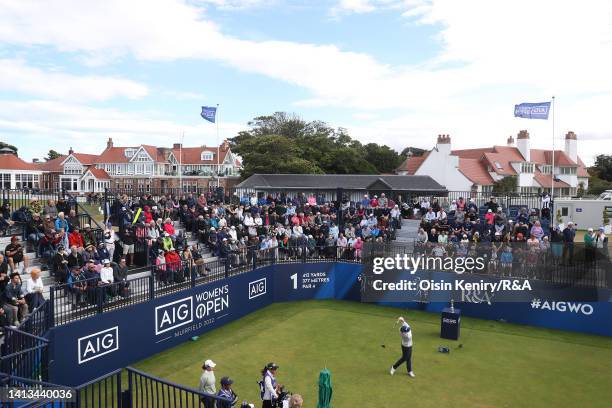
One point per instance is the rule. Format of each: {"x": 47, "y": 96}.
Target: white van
{"x": 606, "y": 195}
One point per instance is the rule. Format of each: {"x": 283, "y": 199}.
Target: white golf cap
{"x": 209, "y": 363}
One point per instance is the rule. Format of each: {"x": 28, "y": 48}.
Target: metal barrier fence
{"x": 24, "y": 355}
{"x": 112, "y": 390}
{"x": 88, "y": 297}
{"x": 148, "y": 391}
{"x": 574, "y": 265}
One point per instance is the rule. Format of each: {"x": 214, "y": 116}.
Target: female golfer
{"x": 406, "y": 335}
{"x": 269, "y": 387}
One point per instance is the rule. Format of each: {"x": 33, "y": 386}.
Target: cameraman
{"x": 270, "y": 388}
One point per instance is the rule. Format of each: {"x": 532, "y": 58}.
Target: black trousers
{"x": 266, "y": 404}
{"x": 406, "y": 357}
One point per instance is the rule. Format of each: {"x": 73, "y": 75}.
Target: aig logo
{"x": 257, "y": 288}
{"x": 98, "y": 344}
{"x": 172, "y": 315}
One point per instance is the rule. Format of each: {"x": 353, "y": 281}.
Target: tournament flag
{"x": 209, "y": 113}
{"x": 532, "y": 110}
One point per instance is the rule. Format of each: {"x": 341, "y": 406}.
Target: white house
{"x": 478, "y": 169}
{"x": 16, "y": 173}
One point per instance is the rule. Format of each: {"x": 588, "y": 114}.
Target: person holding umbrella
{"x": 406, "y": 335}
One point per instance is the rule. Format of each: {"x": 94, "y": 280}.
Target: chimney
{"x": 177, "y": 146}
{"x": 444, "y": 144}
{"x": 571, "y": 146}
{"x": 522, "y": 143}
{"x": 225, "y": 145}
{"x": 70, "y": 151}
{"x": 510, "y": 141}
{"x": 109, "y": 143}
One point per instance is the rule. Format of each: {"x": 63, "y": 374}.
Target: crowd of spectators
{"x": 512, "y": 245}
{"x": 274, "y": 226}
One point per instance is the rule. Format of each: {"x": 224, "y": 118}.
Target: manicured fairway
{"x": 499, "y": 365}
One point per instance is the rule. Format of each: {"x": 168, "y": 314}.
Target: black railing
{"x": 574, "y": 265}
{"x": 24, "y": 355}
{"x": 148, "y": 391}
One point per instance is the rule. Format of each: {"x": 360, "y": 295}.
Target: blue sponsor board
{"x": 88, "y": 348}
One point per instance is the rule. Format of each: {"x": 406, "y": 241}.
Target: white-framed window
{"x": 129, "y": 152}
{"x": 5, "y": 180}
{"x": 527, "y": 167}
{"x": 142, "y": 157}
{"x": 546, "y": 169}
{"x": 206, "y": 156}
{"x": 567, "y": 170}
{"x": 498, "y": 165}
{"x": 120, "y": 168}
{"x": 487, "y": 189}
{"x": 27, "y": 181}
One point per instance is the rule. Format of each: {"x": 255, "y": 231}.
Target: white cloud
{"x": 57, "y": 125}
{"x": 17, "y": 76}
{"x": 354, "y": 6}
{"x": 493, "y": 54}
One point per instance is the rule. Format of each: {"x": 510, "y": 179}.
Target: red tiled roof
{"x": 54, "y": 165}
{"x": 412, "y": 163}
{"x": 192, "y": 155}
{"x": 100, "y": 174}
{"x": 117, "y": 154}
{"x": 472, "y": 153}
{"x": 12, "y": 162}
{"x": 85, "y": 159}
{"x": 504, "y": 155}
{"x": 475, "y": 171}
{"x": 545, "y": 180}
{"x": 582, "y": 170}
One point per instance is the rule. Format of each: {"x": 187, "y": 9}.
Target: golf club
{"x": 385, "y": 336}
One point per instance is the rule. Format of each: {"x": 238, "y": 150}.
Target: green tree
{"x": 506, "y": 185}
{"x": 415, "y": 151}
{"x": 2, "y": 145}
{"x": 273, "y": 154}
{"x": 383, "y": 157}
{"x": 603, "y": 167}
{"x": 580, "y": 190}
{"x": 306, "y": 147}
{"x": 52, "y": 155}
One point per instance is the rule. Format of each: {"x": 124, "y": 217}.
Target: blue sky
{"x": 396, "y": 72}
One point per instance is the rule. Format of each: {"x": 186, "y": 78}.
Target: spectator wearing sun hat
{"x": 208, "y": 382}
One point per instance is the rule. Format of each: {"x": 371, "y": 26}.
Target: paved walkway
{"x": 409, "y": 231}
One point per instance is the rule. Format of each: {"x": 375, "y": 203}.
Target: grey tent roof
{"x": 345, "y": 181}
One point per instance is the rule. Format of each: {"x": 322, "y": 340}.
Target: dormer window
{"x": 527, "y": 167}
{"x": 130, "y": 152}
{"x": 206, "y": 156}
{"x": 498, "y": 165}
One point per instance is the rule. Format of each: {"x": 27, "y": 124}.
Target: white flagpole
{"x": 552, "y": 184}
{"x": 218, "y": 150}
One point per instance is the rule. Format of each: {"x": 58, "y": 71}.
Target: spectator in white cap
{"x": 208, "y": 383}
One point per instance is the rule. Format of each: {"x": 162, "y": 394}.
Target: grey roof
{"x": 346, "y": 181}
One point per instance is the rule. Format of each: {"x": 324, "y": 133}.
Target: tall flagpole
{"x": 552, "y": 184}
{"x": 181, "y": 162}
{"x": 218, "y": 150}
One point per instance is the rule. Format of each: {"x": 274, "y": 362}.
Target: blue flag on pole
{"x": 209, "y": 113}
{"x": 532, "y": 110}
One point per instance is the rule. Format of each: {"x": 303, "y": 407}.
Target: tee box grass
{"x": 499, "y": 364}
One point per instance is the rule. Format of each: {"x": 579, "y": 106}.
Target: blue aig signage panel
{"x": 89, "y": 348}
